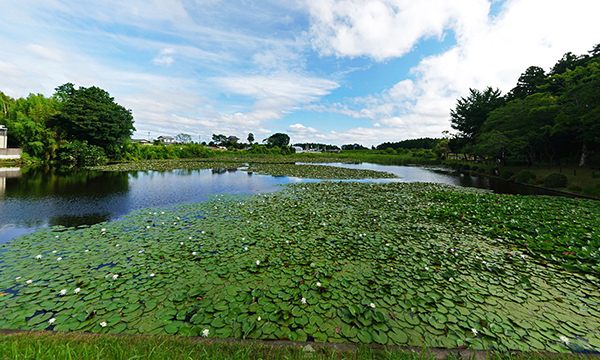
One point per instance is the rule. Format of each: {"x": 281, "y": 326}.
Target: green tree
{"x": 218, "y": 139}
{"x": 471, "y": 112}
{"x": 91, "y": 115}
{"x": 579, "y": 114}
{"x": 277, "y": 139}
{"x": 528, "y": 83}
{"x": 183, "y": 138}
{"x": 250, "y": 138}
{"x": 520, "y": 128}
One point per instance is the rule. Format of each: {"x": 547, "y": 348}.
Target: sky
{"x": 325, "y": 71}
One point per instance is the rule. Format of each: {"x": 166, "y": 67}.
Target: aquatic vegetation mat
{"x": 318, "y": 171}
{"x": 394, "y": 263}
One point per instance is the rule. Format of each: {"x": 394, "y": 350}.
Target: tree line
{"x": 82, "y": 126}
{"x": 549, "y": 116}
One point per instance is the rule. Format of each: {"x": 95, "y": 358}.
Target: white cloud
{"x": 383, "y": 29}
{"x": 165, "y": 57}
{"x": 45, "y": 52}
{"x": 299, "y": 129}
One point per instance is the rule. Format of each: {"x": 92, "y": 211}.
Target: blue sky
{"x": 328, "y": 71}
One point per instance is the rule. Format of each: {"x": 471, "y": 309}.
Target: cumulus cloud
{"x": 299, "y": 129}
{"x": 383, "y": 29}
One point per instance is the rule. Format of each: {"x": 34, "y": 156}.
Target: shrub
{"x": 492, "y": 171}
{"x": 481, "y": 171}
{"x": 390, "y": 151}
{"x": 574, "y": 187}
{"x": 474, "y": 168}
{"x": 524, "y": 176}
{"x": 592, "y": 190}
{"x": 506, "y": 174}
{"x": 555, "y": 180}
{"x": 466, "y": 167}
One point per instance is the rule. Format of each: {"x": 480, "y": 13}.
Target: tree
{"x": 183, "y": 138}
{"x": 218, "y": 139}
{"x": 528, "y": 83}
{"x": 471, "y": 112}
{"x": 277, "y": 139}
{"x": 92, "y": 115}
{"x": 250, "y": 138}
{"x": 580, "y": 106}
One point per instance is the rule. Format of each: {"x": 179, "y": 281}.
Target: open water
{"x": 32, "y": 199}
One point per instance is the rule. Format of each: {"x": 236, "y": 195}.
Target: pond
{"x": 32, "y": 199}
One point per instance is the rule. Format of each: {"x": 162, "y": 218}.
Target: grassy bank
{"x": 404, "y": 264}
{"x": 579, "y": 180}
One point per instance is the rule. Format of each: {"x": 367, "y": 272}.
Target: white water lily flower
{"x": 474, "y": 331}
{"x": 148, "y": 227}
{"x": 202, "y": 232}
{"x": 17, "y": 278}
{"x": 193, "y": 253}
{"x": 115, "y": 276}
{"x": 141, "y": 251}
{"x": 51, "y": 321}
{"x": 63, "y": 292}
{"x": 76, "y": 291}
{"x": 190, "y": 238}
{"x": 246, "y": 248}
{"x": 387, "y": 244}
{"x": 258, "y": 318}
{"x": 426, "y": 268}
{"x": 117, "y": 245}
{"x": 181, "y": 243}
{"x": 257, "y": 262}
{"x": 205, "y": 333}
{"x": 87, "y": 250}
{"x": 565, "y": 340}
{"x": 59, "y": 259}
{"x": 29, "y": 281}
{"x": 303, "y": 301}
{"x": 372, "y": 305}
{"x": 38, "y": 257}
{"x": 54, "y": 252}
{"x": 318, "y": 284}
{"x": 103, "y": 229}
{"x": 103, "y": 324}
{"x": 152, "y": 275}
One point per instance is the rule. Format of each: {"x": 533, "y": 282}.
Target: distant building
{"x": 299, "y": 149}
{"x": 166, "y": 139}
{"x": 233, "y": 139}
{"x": 141, "y": 141}
{"x": 3, "y": 137}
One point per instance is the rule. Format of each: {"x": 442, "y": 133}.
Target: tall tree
{"x": 528, "y": 83}
{"x": 183, "y": 138}
{"x": 218, "y": 139}
{"x": 277, "y": 139}
{"x": 92, "y": 115}
{"x": 250, "y": 138}
{"x": 471, "y": 112}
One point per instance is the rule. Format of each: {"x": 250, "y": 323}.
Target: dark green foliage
{"x": 524, "y": 176}
{"x": 555, "y": 180}
{"x": 421, "y": 143}
{"x": 390, "y": 151}
{"x": 506, "y": 174}
{"x": 474, "y": 168}
{"x": 90, "y": 114}
{"x": 80, "y": 153}
{"x": 471, "y": 112}
{"x": 481, "y": 171}
{"x": 277, "y": 139}
{"x": 466, "y": 167}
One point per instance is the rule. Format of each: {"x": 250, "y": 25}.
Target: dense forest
{"x": 81, "y": 126}
{"x": 551, "y": 117}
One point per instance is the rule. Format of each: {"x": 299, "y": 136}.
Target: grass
{"x": 73, "y": 346}
{"x": 46, "y": 345}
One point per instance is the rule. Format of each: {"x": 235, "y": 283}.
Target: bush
{"x": 524, "y": 176}
{"x": 481, "y": 171}
{"x": 80, "y": 154}
{"x": 466, "y": 167}
{"x": 506, "y": 174}
{"x": 474, "y": 168}
{"x": 390, "y": 151}
{"x": 555, "y": 180}
{"x": 592, "y": 190}
{"x": 574, "y": 187}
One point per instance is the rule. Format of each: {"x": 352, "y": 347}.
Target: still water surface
{"x": 33, "y": 199}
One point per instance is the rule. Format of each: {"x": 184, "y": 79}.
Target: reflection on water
{"x": 36, "y": 198}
